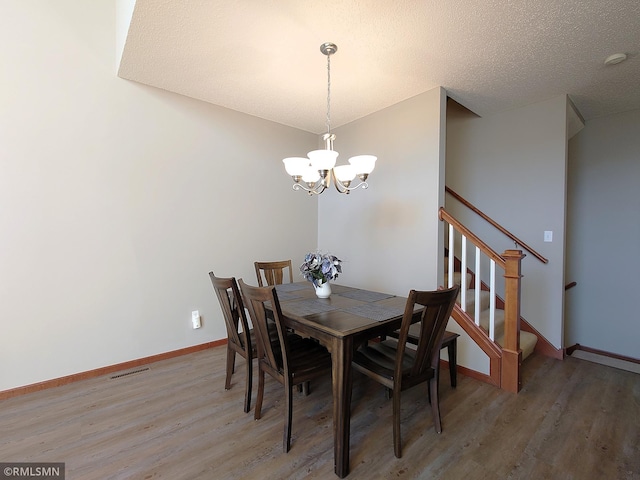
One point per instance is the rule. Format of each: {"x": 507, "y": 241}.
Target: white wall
{"x": 116, "y": 199}
{"x": 512, "y": 166}
{"x": 604, "y": 235}
{"x": 388, "y": 235}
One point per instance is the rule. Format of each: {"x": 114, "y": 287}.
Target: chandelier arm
{"x": 364, "y": 186}
{"x": 316, "y": 190}
{"x": 346, "y": 187}
{"x": 340, "y": 187}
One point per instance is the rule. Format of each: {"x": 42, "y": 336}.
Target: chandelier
{"x": 313, "y": 174}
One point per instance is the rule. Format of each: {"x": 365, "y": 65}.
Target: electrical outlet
{"x": 548, "y": 236}
{"x": 195, "y": 319}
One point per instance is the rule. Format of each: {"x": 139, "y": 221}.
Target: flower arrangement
{"x": 320, "y": 268}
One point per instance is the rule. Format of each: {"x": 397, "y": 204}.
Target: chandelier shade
{"x": 296, "y": 166}
{"x": 344, "y": 173}
{"x": 310, "y": 175}
{"x": 363, "y": 164}
{"x": 313, "y": 173}
{"x": 323, "y": 159}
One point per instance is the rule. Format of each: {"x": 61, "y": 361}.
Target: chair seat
{"x": 307, "y": 358}
{"x": 449, "y": 341}
{"x": 414, "y": 333}
{"x": 380, "y": 358}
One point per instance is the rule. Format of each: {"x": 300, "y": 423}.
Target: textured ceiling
{"x": 262, "y": 57}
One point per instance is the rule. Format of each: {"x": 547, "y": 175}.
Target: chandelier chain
{"x": 329, "y": 93}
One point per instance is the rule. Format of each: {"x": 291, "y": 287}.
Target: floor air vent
{"x": 130, "y": 373}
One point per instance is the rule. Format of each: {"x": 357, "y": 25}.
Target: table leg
{"x": 341, "y": 356}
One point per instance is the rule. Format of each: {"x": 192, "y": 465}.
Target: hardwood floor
{"x": 572, "y": 420}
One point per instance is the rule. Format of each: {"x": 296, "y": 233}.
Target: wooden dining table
{"x": 342, "y": 322}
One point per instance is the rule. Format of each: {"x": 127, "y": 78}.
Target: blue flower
{"x": 320, "y": 268}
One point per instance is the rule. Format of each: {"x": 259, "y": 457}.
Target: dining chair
{"x": 449, "y": 341}
{"x": 273, "y": 273}
{"x": 287, "y": 357}
{"x": 240, "y": 338}
{"x": 398, "y": 368}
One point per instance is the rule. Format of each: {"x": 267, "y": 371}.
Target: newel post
{"x": 511, "y": 353}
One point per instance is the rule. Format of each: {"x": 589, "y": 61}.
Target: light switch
{"x": 548, "y": 236}
{"x": 195, "y": 319}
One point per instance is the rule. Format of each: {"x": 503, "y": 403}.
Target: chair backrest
{"x": 233, "y": 310}
{"x": 273, "y": 347}
{"x": 273, "y": 273}
{"x": 436, "y": 309}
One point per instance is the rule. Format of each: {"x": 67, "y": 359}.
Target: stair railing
{"x": 495, "y": 224}
{"x": 505, "y": 362}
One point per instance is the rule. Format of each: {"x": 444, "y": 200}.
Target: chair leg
{"x": 258, "y": 411}
{"x": 437, "y": 375}
{"x": 397, "y": 442}
{"x": 452, "y": 350}
{"x": 288, "y": 400}
{"x": 247, "y": 393}
{"x": 435, "y": 405}
{"x": 231, "y": 361}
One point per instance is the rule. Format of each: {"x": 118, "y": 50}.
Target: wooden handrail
{"x": 444, "y": 215}
{"x": 496, "y": 225}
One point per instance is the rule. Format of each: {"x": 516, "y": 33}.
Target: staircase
{"x": 495, "y": 325}
{"x": 527, "y": 340}
{"x": 496, "y": 329}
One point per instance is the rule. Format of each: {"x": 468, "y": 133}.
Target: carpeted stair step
{"x": 485, "y": 298}
{"x": 457, "y": 276}
{"x": 499, "y": 322}
{"x": 527, "y": 342}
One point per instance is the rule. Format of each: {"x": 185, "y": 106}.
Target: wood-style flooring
{"x": 572, "y": 420}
